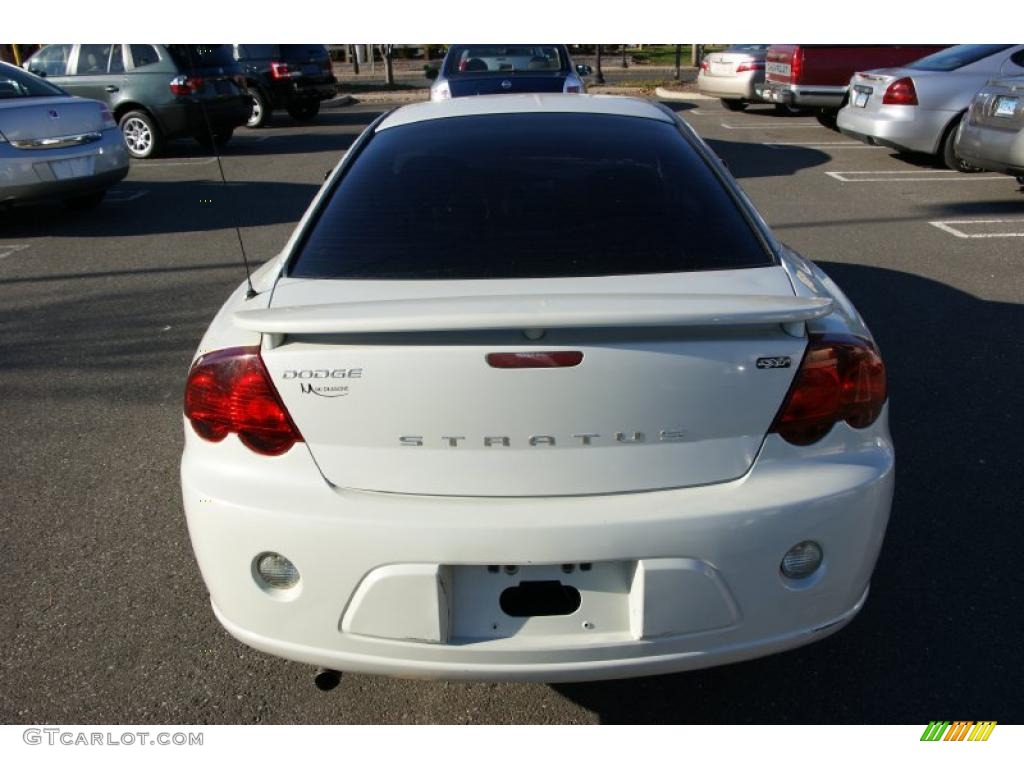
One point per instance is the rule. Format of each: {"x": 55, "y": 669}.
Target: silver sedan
{"x": 733, "y": 75}
{"x": 918, "y": 108}
{"x": 991, "y": 137}
{"x": 54, "y": 146}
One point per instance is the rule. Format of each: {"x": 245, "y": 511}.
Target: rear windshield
{"x": 955, "y": 57}
{"x": 303, "y": 52}
{"x": 527, "y": 195}
{"x": 18, "y": 84}
{"x": 477, "y": 60}
{"x": 751, "y": 48}
{"x": 203, "y": 56}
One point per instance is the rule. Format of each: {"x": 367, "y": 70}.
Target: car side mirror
{"x": 584, "y": 69}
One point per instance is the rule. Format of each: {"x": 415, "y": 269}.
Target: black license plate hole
{"x": 540, "y": 598}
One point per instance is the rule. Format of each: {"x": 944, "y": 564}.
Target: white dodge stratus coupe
{"x": 533, "y": 393}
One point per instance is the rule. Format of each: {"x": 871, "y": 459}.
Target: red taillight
{"x": 902, "y": 91}
{"x": 750, "y": 66}
{"x": 796, "y": 65}
{"x": 841, "y": 378}
{"x": 534, "y": 359}
{"x": 230, "y": 391}
{"x": 185, "y": 85}
{"x": 279, "y": 70}
{"x": 705, "y": 65}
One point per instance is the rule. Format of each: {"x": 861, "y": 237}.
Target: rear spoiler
{"x": 461, "y": 313}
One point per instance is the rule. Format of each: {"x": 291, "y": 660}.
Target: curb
{"x": 667, "y": 95}
{"x": 403, "y": 97}
{"x": 338, "y": 101}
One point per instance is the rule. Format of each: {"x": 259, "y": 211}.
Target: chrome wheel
{"x": 256, "y": 118}
{"x": 138, "y": 136}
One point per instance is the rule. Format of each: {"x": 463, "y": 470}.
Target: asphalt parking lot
{"x": 105, "y": 617}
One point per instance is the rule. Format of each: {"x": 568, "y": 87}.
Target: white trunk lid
{"x": 675, "y": 400}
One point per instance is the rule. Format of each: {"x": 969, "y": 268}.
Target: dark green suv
{"x": 292, "y": 77}
{"x": 156, "y": 92}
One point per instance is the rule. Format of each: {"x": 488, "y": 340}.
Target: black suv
{"x": 155, "y": 92}
{"x": 291, "y": 77}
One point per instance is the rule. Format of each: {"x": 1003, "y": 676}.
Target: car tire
{"x": 304, "y": 111}
{"x": 828, "y": 118}
{"x": 949, "y": 156}
{"x": 220, "y": 138}
{"x": 1020, "y": 180}
{"x": 787, "y": 110}
{"x": 141, "y": 134}
{"x": 261, "y": 109}
{"x": 84, "y": 202}
{"x": 734, "y": 105}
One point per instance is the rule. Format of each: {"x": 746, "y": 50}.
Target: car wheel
{"x": 734, "y": 105}
{"x": 84, "y": 202}
{"x": 261, "y": 111}
{"x": 828, "y": 118}
{"x": 304, "y": 110}
{"x": 141, "y": 135}
{"x": 1020, "y": 180}
{"x": 220, "y": 138}
{"x": 949, "y": 156}
{"x": 788, "y": 110}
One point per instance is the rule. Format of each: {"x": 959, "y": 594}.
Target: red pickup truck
{"x": 817, "y": 76}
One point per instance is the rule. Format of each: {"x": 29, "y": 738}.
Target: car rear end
{"x": 884, "y": 109}
{"x": 54, "y": 146}
{"x": 301, "y": 73}
{"x": 475, "y": 70}
{"x": 735, "y": 74}
{"x": 469, "y": 434}
{"x": 992, "y": 134}
{"x": 206, "y": 93}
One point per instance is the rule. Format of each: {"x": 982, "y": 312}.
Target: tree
{"x": 600, "y": 74}
{"x": 679, "y": 60}
{"x": 387, "y": 53}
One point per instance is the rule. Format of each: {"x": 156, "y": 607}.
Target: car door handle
{"x": 111, "y": 89}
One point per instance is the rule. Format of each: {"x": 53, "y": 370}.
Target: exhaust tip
{"x": 327, "y": 679}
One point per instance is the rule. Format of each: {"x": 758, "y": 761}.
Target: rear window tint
{"x": 303, "y": 52}
{"x": 527, "y": 195}
{"x": 475, "y": 60}
{"x": 202, "y": 56}
{"x": 258, "y": 51}
{"x": 955, "y": 57}
{"x": 143, "y": 55}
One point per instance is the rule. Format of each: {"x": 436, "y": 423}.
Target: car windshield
{"x": 955, "y": 57}
{"x": 17, "y": 84}
{"x": 475, "y": 60}
{"x": 525, "y": 196}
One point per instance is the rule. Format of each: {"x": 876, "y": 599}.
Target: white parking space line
{"x": 167, "y": 163}
{"x": 117, "y": 196}
{"x": 917, "y": 175}
{"x": 8, "y": 249}
{"x": 789, "y": 125}
{"x": 1004, "y": 227}
{"x": 818, "y": 144}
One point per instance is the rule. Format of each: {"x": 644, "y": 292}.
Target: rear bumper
{"x": 804, "y": 95}
{"x": 187, "y": 118}
{"x": 992, "y": 148}
{"x": 25, "y": 175}
{"x": 742, "y": 86}
{"x": 722, "y": 544}
{"x": 907, "y": 129}
{"x": 289, "y": 92}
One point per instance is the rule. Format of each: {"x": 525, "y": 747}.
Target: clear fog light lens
{"x": 802, "y": 560}
{"x": 277, "y": 571}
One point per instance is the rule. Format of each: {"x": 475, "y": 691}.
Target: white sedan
{"x": 533, "y": 393}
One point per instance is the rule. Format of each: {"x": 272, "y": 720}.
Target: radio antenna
{"x": 250, "y": 291}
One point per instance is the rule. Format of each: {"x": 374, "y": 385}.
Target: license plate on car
{"x": 74, "y": 167}
{"x": 1005, "y": 106}
{"x": 776, "y": 68}
{"x": 718, "y": 68}
{"x": 860, "y": 99}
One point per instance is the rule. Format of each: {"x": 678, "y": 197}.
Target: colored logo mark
{"x": 960, "y": 730}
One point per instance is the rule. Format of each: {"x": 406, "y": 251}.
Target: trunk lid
{"x": 31, "y": 118}
{"x": 398, "y": 394}
{"x": 724, "y": 64}
{"x": 868, "y": 88}
{"x": 548, "y": 82}
{"x": 1000, "y": 104}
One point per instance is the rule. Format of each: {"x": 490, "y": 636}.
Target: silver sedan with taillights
{"x": 54, "y": 146}
{"x": 918, "y": 108}
{"x": 991, "y": 135}
{"x": 733, "y": 75}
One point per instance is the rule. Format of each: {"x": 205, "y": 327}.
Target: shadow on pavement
{"x": 748, "y": 160}
{"x": 940, "y": 634}
{"x": 171, "y": 207}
